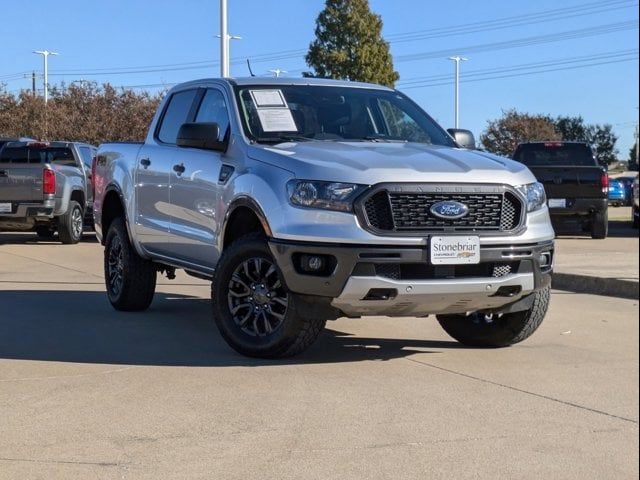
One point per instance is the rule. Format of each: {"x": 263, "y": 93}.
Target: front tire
{"x": 129, "y": 278}
{"x": 253, "y": 308}
{"x": 70, "y": 224}
{"x": 491, "y": 331}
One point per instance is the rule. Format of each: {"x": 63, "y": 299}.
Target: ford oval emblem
{"x": 449, "y": 210}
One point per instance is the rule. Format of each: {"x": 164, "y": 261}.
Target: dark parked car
{"x": 635, "y": 206}
{"x": 577, "y": 186}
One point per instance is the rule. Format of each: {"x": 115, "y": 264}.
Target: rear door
{"x": 195, "y": 190}
{"x": 20, "y": 177}
{"x": 154, "y": 162}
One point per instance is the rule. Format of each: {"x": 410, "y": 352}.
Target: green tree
{"x": 633, "y": 160}
{"x": 503, "y": 135}
{"x": 572, "y": 129}
{"x": 349, "y": 45}
{"x": 603, "y": 141}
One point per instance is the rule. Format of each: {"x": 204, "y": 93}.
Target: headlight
{"x": 535, "y": 195}
{"x": 324, "y": 195}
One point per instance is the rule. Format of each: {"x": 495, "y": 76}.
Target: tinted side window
{"x": 175, "y": 115}
{"x": 214, "y": 109}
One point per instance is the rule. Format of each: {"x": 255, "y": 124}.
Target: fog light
{"x": 544, "y": 260}
{"x": 312, "y": 263}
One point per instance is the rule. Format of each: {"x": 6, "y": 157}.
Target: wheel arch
{"x": 243, "y": 216}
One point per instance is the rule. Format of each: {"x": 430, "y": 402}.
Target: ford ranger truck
{"x": 305, "y": 200}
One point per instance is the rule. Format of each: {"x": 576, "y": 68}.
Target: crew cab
{"x": 305, "y": 200}
{"x": 46, "y": 187}
{"x": 577, "y": 187}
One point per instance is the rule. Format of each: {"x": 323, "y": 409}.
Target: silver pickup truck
{"x": 305, "y": 200}
{"x": 46, "y": 187}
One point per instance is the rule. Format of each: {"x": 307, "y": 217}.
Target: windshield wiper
{"x": 379, "y": 138}
{"x": 282, "y": 138}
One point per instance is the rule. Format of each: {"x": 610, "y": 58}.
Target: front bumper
{"x": 399, "y": 281}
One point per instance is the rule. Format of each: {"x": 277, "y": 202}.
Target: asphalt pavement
{"x": 87, "y": 392}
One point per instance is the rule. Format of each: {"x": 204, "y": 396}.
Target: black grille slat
{"x": 407, "y": 212}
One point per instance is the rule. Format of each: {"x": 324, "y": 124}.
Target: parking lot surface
{"x": 87, "y": 392}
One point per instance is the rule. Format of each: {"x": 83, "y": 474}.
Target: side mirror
{"x": 201, "y": 135}
{"x": 464, "y": 138}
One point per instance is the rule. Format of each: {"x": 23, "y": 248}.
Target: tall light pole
{"x": 224, "y": 40}
{"x": 45, "y": 55}
{"x": 457, "y": 60}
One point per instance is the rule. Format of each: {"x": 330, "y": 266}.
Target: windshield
{"x": 554, "y": 153}
{"x": 309, "y": 112}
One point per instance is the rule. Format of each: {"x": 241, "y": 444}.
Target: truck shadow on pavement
{"x": 81, "y": 327}
{"x": 29, "y": 238}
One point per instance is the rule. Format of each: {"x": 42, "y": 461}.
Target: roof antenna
{"x": 249, "y": 67}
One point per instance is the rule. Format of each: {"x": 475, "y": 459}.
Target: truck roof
{"x": 242, "y": 81}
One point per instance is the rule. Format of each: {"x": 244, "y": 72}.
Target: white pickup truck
{"x": 304, "y": 200}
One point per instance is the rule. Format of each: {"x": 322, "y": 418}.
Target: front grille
{"x": 411, "y": 212}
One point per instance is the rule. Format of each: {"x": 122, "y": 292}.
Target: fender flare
{"x": 114, "y": 187}
{"x": 251, "y": 204}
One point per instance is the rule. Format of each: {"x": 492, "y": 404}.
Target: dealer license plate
{"x": 557, "y": 203}
{"x": 455, "y": 250}
{"x": 5, "y": 208}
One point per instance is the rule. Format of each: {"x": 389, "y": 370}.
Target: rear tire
{"x": 480, "y": 330}
{"x": 129, "y": 278}
{"x": 600, "y": 225}
{"x": 70, "y": 224}
{"x": 253, "y": 308}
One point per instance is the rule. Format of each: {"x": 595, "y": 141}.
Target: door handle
{"x": 179, "y": 169}
{"x": 145, "y": 162}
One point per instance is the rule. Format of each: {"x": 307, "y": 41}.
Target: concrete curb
{"x": 611, "y": 287}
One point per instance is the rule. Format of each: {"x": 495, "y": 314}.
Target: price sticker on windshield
{"x": 268, "y": 98}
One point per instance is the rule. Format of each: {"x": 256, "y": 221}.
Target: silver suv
{"x": 305, "y": 200}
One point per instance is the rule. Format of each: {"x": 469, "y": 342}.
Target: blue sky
{"x": 112, "y": 35}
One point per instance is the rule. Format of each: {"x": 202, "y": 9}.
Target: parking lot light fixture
{"x": 45, "y": 55}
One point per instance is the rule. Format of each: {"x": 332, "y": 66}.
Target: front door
{"x": 196, "y": 210}
{"x": 154, "y": 162}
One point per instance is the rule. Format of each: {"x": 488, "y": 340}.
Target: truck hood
{"x": 369, "y": 163}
